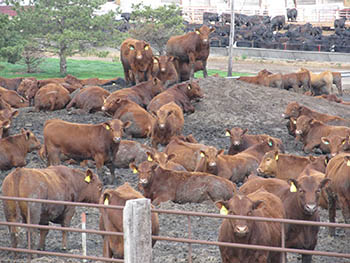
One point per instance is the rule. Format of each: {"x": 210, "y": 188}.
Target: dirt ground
{"x": 227, "y": 103}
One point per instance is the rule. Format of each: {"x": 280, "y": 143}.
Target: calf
{"x": 187, "y": 153}
{"x": 310, "y": 132}
{"x": 295, "y": 110}
{"x": 321, "y": 83}
{"x": 169, "y": 122}
{"x": 300, "y": 200}
{"x": 10, "y": 84}
{"x": 235, "y": 167}
{"x": 191, "y": 47}
{"x": 160, "y": 185}
{"x": 57, "y": 183}
{"x": 12, "y": 98}
{"x": 28, "y": 88}
{"x": 141, "y": 94}
{"x": 51, "y": 97}
{"x": 181, "y": 94}
{"x": 337, "y": 81}
{"x": 338, "y": 190}
{"x": 336, "y": 143}
{"x": 164, "y": 69}
{"x": 6, "y": 121}
{"x": 261, "y": 204}
{"x": 141, "y": 121}
{"x": 89, "y": 99}
{"x": 14, "y": 149}
{"x": 112, "y": 219}
{"x": 137, "y": 59}
{"x": 99, "y": 142}
{"x": 286, "y": 166}
{"x": 241, "y": 141}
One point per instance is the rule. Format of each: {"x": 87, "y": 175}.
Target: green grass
{"x": 81, "y": 69}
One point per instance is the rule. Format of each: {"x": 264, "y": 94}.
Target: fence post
{"x": 137, "y": 231}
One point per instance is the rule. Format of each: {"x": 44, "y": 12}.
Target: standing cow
{"x": 137, "y": 59}
{"x": 191, "y": 47}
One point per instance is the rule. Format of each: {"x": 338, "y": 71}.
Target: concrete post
{"x": 137, "y": 231}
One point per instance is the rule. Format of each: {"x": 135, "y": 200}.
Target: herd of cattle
{"x": 154, "y": 106}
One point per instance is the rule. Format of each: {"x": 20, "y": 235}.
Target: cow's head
{"x": 145, "y": 171}
{"x": 293, "y": 109}
{"x": 318, "y": 163}
{"x": 140, "y": 49}
{"x": 115, "y": 129}
{"x": 28, "y": 88}
{"x": 109, "y": 105}
{"x": 268, "y": 164}
{"x": 163, "y": 62}
{"x": 336, "y": 143}
{"x": 162, "y": 115}
{"x": 193, "y": 90}
{"x": 303, "y": 125}
{"x": 307, "y": 189}
{"x": 208, "y": 159}
{"x": 92, "y": 187}
{"x": 204, "y": 33}
{"x": 241, "y": 205}
{"x": 157, "y": 86}
{"x": 32, "y": 142}
{"x": 236, "y": 135}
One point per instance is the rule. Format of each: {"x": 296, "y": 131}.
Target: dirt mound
{"x": 227, "y": 103}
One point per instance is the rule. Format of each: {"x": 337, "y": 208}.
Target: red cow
{"x": 191, "y": 47}
{"x": 51, "y": 97}
{"x": 137, "y": 59}
{"x": 58, "y": 183}
{"x": 164, "y": 69}
{"x": 12, "y": 98}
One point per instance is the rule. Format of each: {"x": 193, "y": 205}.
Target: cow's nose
{"x": 236, "y": 143}
{"x": 103, "y": 108}
{"x": 139, "y": 57}
{"x": 241, "y": 229}
{"x": 162, "y": 69}
{"x": 311, "y": 208}
{"x": 259, "y": 170}
{"x": 143, "y": 181}
{"x": 162, "y": 125}
{"x": 205, "y": 40}
{"x": 117, "y": 139}
{"x": 298, "y": 132}
{"x": 212, "y": 164}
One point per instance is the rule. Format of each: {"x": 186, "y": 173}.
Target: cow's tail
{"x": 10, "y": 188}
{"x": 43, "y": 153}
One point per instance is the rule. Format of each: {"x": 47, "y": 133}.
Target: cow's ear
{"x": 324, "y": 183}
{"x": 131, "y": 47}
{"x": 221, "y": 151}
{"x": 106, "y": 198}
{"x": 256, "y": 204}
{"x": 146, "y": 47}
{"x": 150, "y": 157}
{"x": 227, "y": 133}
{"x": 189, "y": 86}
{"x": 27, "y": 134}
{"x": 154, "y": 166}
{"x": 171, "y": 58}
{"x": 153, "y": 113}
{"x": 347, "y": 160}
{"x": 324, "y": 140}
{"x": 220, "y": 204}
{"x": 134, "y": 168}
{"x": 202, "y": 154}
{"x": 107, "y": 126}
{"x": 126, "y": 124}
{"x": 155, "y": 81}
{"x": 155, "y": 60}
{"x": 14, "y": 114}
{"x": 171, "y": 156}
{"x": 293, "y": 185}
{"x": 312, "y": 158}
{"x": 118, "y": 100}
{"x": 244, "y": 131}
{"x": 276, "y": 155}
{"x": 197, "y": 31}
{"x": 88, "y": 176}
{"x": 270, "y": 142}
{"x": 293, "y": 120}
{"x": 170, "y": 112}
{"x": 212, "y": 29}
{"x": 6, "y": 124}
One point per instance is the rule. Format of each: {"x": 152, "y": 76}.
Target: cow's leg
{"x": 66, "y": 223}
{"x": 53, "y": 156}
{"x": 192, "y": 61}
{"x": 127, "y": 76}
{"x": 331, "y": 210}
{"x": 43, "y": 234}
{"x": 306, "y": 258}
{"x": 107, "y": 252}
{"x": 205, "y": 73}
{"x": 99, "y": 160}
{"x": 112, "y": 169}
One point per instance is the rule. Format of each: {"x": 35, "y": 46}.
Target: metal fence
{"x": 188, "y": 240}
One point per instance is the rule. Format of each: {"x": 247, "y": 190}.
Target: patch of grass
{"x": 81, "y": 69}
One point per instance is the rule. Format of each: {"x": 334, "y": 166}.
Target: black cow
{"x": 339, "y": 22}
{"x": 209, "y": 17}
{"x": 277, "y": 23}
{"x": 292, "y": 14}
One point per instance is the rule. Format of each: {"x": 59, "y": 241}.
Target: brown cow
{"x": 286, "y": 166}
{"x": 137, "y": 59}
{"x": 169, "y": 122}
{"x": 28, "y": 88}
{"x": 261, "y": 204}
{"x": 235, "y": 167}
{"x": 184, "y": 70}
{"x": 112, "y": 219}
{"x": 78, "y": 141}
{"x": 258, "y": 79}
{"x": 241, "y": 141}
{"x": 51, "y": 97}
{"x": 337, "y": 81}
{"x": 295, "y": 110}
{"x": 10, "y": 84}
{"x": 6, "y": 121}
{"x": 14, "y": 149}
{"x": 338, "y": 190}
{"x": 160, "y": 185}
{"x": 187, "y": 152}
{"x": 141, "y": 122}
{"x": 164, "y": 160}
{"x": 300, "y": 201}
{"x": 191, "y": 47}
{"x": 141, "y": 94}
{"x": 336, "y": 144}
{"x": 164, "y": 69}
{"x": 12, "y": 98}
{"x": 89, "y": 99}
{"x": 58, "y": 183}
{"x": 321, "y": 83}
{"x": 181, "y": 94}
{"x": 310, "y": 132}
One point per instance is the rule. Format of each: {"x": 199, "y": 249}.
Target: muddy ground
{"x": 227, "y": 103}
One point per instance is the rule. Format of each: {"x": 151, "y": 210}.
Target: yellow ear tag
{"x": 149, "y": 158}
{"x": 107, "y": 127}
{"x": 202, "y": 154}
{"x": 135, "y": 171}
{"x": 146, "y": 47}
{"x": 189, "y": 87}
{"x": 348, "y": 163}
{"x": 106, "y": 202}
{"x": 276, "y": 157}
{"x": 223, "y": 211}
{"x": 155, "y": 61}
{"x": 294, "y": 122}
{"x": 343, "y": 142}
{"x": 197, "y": 32}
{"x": 227, "y": 134}
{"x": 293, "y": 189}
{"x": 87, "y": 179}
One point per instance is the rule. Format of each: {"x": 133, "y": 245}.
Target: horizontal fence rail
{"x": 164, "y": 238}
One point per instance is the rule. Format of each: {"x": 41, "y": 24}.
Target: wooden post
{"x": 137, "y": 231}
{"x": 232, "y": 39}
